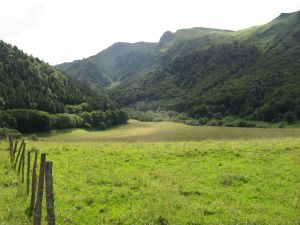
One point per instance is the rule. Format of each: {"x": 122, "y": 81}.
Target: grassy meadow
{"x": 165, "y": 173}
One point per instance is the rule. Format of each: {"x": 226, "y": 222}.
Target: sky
{"x": 58, "y": 31}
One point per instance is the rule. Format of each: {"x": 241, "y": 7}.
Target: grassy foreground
{"x": 135, "y": 174}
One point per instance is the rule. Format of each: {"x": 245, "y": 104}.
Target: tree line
{"x": 28, "y": 120}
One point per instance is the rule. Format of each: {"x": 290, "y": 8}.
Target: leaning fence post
{"x": 21, "y": 158}
{"x": 15, "y": 147}
{"x": 49, "y": 193}
{"x": 23, "y": 166}
{"x": 11, "y": 145}
{"x": 19, "y": 152}
{"x": 28, "y": 172}
{"x": 37, "y": 216}
{"x": 14, "y": 151}
{"x": 33, "y": 182}
{"x": 22, "y": 143}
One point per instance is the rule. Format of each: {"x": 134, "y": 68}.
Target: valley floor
{"x": 165, "y": 173}
{"x": 136, "y": 131}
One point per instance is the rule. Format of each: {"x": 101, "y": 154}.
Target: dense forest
{"x": 208, "y": 73}
{"x": 35, "y": 96}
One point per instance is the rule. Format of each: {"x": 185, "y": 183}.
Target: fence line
{"x": 37, "y": 190}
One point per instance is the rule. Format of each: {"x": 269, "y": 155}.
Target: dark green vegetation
{"x": 165, "y": 173}
{"x": 212, "y": 74}
{"x": 27, "y": 120}
{"x": 36, "y": 97}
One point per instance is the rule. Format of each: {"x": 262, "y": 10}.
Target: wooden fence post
{"x": 21, "y": 159}
{"x": 15, "y": 147}
{"x": 28, "y": 172}
{"x": 22, "y": 143}
{"x": 19, "y": 152}
{"x": 37, "y": 216}
{"x": 23, "y": 166}
{"x": 11, "y": 146}
{"x": 33, "y": 182}
{"x": 14, "y": 151}
{"x": 49, "y": 193}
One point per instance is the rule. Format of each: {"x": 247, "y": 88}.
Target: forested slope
{"x": 31, "y": 90}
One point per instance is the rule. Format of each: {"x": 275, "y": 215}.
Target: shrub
{"x": 203, "y": 120}
{"x": 87, "y": 118}
{"x": 290, "y": 117}
{"x": 244, "y": 123}
{"x": 297, "y": 111}
{"x": 265, "y": 113}
{"x": 123, "y": 116}
{"x": 87, "y": 125}
{"x": 102, "y": 126}
{"x": 31, "y": 120}
{"x": 33, "y": 137}
{"x": 192, "y": 122}
{"x": 98, "y": 117}
{"x": 62, "y": 121}
{"x": 214, "y": 122}
{"x": 281, "y": 125}
{"x": 6, "y": 120}
{"x": 4, "y": 132}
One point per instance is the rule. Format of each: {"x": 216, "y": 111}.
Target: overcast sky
{"x": 64, "y": 30}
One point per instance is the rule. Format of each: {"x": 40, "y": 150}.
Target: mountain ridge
{"x": 196, "y": 70}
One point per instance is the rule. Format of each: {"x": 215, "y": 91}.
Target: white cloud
{"x": 64, "y": 30}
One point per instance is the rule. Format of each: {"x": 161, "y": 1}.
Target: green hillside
{"x": 35, "y": 96}
{"x": 204, "y": 72}
{"x": 252, "y": 73}
{"x": 118, "y": 62}
{"x": 123, "y": 61}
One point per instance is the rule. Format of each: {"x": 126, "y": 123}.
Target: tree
{"x": 2, "y": 103}
{"x": 297, "y": 111}
{"x": 266, "y": 113}
{"x": 7, "y": 120}
{"x": 290, "y": 117}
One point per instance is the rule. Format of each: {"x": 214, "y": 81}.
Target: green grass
{"x": 13, "y": 201}
{"x": 166, "y": 173}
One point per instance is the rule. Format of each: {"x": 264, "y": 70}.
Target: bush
{"x": 31, "y": 120}
{"x": 281, "y": 125}
{"x": 123, "y": 117}
{"x": 98, "y": 117}
{"x": 33, "y": 137}
{"x": 290, "y": 117}
{"x": 244, "y": 123}
{"x": 102, "y": 126}
{"x": 297, "y": 111}
{"x": 265, "y": 113}
{"x": 7, "y": 120}
{"x": 203, "y": 120}
{"x": 214, "y": 122}
{"x": 87, "y": 125}
{"x": 192, "y": 122}
{"x": 61, "y": 121}
{"x": 4, "y": 132}
{"x": 87, "y": 118}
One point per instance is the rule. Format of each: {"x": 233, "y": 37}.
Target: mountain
{"x": 251, "y": 73}
{"x": 123, "y": 61}
{"x": 112, "y": 65}
{"x": 37, "y": 97}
